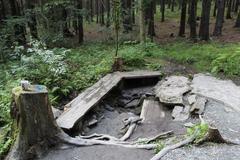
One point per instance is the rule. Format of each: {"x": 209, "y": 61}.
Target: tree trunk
{"x": 192, "y": 20}
{"x": 126, "y": 15}
{"x": 150, "y": 19}
{"x": 97, "y": 10}
{"x": 102, "y": 19}
{"x": 205, "y": 18}
{"x": 18, "y": 28}
{"x": 215, "y": 8}
{"x": 237, "y": 24}
{"x": 142, "y": 21}
{"x": 183, "y": 18}
{"x": 80, "y": 23}
{"x": 163, "y": 10}
{"x": 236, "y": 6}
{"x": 173, "y": 5}
{"x": 219, "y": 18}
{"x": 108, "y": 12}
{"x": 229, "y": 10}
{"x": 37, "y": 128}
{"x": 91, "y": 10}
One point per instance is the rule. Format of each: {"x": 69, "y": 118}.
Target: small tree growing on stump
{"x": 118, "y": 62}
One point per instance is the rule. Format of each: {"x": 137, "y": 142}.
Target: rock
{"x": 134, "y": 103}
{"x": 108, "y": 107}
{"x": 191, "y": 99}
{"x": 181, "y": 113}
{"x": 56, "y": 112}
{"x": 92, "y": 122}
{"x": 199, "y": 106}
{"x": 151, "y": 111}
{"x": 223, "y": 91}
{"x": 171, "y": 90}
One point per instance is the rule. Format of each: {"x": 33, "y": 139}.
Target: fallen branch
{"x": 165, "y": 150}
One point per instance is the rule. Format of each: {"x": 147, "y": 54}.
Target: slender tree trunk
{"x": 91, "y": 10}
{"x": 150, "y": 19}
{"x": 97, "y": 10}
{"x": 192, "y": 20}
{"x": 229, "y": 10}
{"x": 236, "y": 6}
{"x": 173, "y": 5}
{"x": 205, "y": 18}
{"x": 108, "y": 12}
{"x": 219, "y": 18}
{"x": 142, "y": 21}
{"x": 80, "y": 23}
{"x": 237, "y": 24}
{"x": 19, "y": 28}
{"x": 163, "y": 10}
{"x": 133, "y": 11}
{"x": 126, "y": 15}
{"x": 102, "y": 19}
{"x": 183, "y": 18}
{"x": 215, "y": 8}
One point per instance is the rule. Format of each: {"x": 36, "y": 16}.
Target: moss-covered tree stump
{"x": 37, "y": 129}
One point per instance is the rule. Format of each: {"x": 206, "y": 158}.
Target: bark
{"x": 192, "y": 20}
{"x": 163, "y": 10}
{"x": 108, "y": 13}
{"x": 37, "y": 128}
{"x": 229, "y": 10}
{"x": 205, "y": 18}
{"x": 183, "y": 18}
{"x": 19, "y": 29}
{"x": 150, "y": 19}
{"x": 80, "y": 23}
{"x": 91, "y": 10}
{"x": 236, "y": 6}
{"x": 102, "y": 18}
{"x": 97, "y": 10}
{"x": 173, "y": 5}
{"x": 215, "y": 8}
{"x": 126, "y": 15}
{"x": 219, "y": 18}
{"x": 142, "y": 21}
{"x": 237, "y": 24}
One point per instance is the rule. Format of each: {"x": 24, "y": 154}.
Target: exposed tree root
{"x": 165, "y": 150}
{"x": 132, "y": 123}
{"x": 215, "y": 136}
{"x": 159, "y": 136}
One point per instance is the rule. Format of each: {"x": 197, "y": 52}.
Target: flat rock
{"x": 151, "y": 111}
{"x": 191, "y": 99}
{"x": 171, "y": 89}
{"x": 199, "y": 106}
{"x": 224, "y": 91}
{"x": 181, "y": 113}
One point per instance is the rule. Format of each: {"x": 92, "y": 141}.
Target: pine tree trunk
{"x": 215, "y": 8}
{"x": 192, "y": 20}
{"x": 150, "y": 19}
{"x": 142, "y": 21}
{"x": 219, "y": 18}
{"x": 108, "y": 12}
{"x": 173, "y": 5}
{"x": 237, "y": 24}
{"x": 205, "y": 18}
{"x": 163, "y": 10}
{"x": 126, "y": 15}
{"x": 229, "y": 10}
{"x": 19, "y": 29}
{"x": 183, "y": 18}
{"x": 80, "y": 23}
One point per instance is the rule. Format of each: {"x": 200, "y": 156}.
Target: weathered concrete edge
{"x": 121, "y": 76}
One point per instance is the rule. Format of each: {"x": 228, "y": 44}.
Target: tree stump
{"x": 37, "y": 129}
